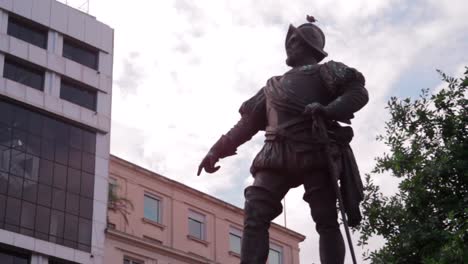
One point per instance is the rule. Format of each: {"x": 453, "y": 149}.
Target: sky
{"x": 182, "y": 68}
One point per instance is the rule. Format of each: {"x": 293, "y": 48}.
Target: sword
{"x": 319, "y": 126}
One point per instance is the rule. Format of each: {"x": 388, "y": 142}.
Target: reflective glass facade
{"x": 46, "y": 177}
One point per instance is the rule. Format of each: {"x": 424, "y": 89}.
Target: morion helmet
{"x": 312, "y": 35}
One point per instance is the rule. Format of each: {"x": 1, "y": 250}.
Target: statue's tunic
{"x": 290, "y": 144}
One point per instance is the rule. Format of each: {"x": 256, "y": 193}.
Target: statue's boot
{"x": 260, "y": 208}
{"x": 331, "y": 246}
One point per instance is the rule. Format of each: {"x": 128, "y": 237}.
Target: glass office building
{"x": 55, "y": 109}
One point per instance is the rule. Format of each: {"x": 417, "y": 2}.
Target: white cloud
{"x": 182, "y": 69}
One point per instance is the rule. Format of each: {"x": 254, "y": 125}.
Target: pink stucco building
{"x": 173, "y": 223}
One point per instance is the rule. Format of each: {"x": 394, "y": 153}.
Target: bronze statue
{"x": 295, "y": 152}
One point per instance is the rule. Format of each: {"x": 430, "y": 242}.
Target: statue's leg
{"x": 320, "y": 195}
{"x": 262, "y": 205}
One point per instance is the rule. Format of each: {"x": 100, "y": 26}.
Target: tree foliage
{"x": 426, "y": 220}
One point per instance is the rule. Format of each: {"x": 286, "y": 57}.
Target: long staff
{"x": 322, "y": 131}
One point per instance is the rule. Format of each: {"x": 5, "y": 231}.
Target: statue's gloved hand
{"x": 314, "y": 109}
{"x": 208, "y": 163}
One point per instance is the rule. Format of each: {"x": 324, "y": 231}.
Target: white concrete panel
{"x": 98, "y": 235}
{"x": 82, "y": 257}
{"x": 64, "y": 252}
{"x": 23, "y": 7}
{"x": 90, "y": 77}
{"x": 76, "y": 24}
{"x": 53, "y": 104}
{"x": 6, "y": 237}
{"x": 98, "y": 260}
{"x": 105, "y": 83}
{"x": 15, "y": 90}
{"x": 2, "y": 86}
{"x": 71, "y": 110}
{"x": 44, "y": 247}
{"x": 92, "y": 32}
{"x": 35, "y": 97}
{"x": 107, "y": 39}
{"x": 23, "y": 241}
{"x": 18, "y": 48}
{"x": 4, "y": 43}
{"x": 6, "y": 4}
{"x": 56, "y": 63}
{"x": 41, "y": 11}
{"x": 104, "y": 123}
{"x": 100, "y": 189}
{"x": 103, "y": 145}
{"x": 105, "y": 63}
{"x": 99, "y": 212}
{"x": 58, "y": 16}
{"x": 54, "y": 85}
{"x": 102, "y": 167}
{"x": 88, "y": 117}
{"x": 2, "y": 62}
{"x": 37, "y": 55}
{"x": 73, "y": 70}
{"x": 104, "y": 104}
{"x": 3, "y": 21}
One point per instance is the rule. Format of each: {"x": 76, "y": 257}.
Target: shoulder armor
{"x": 335, "y": 74}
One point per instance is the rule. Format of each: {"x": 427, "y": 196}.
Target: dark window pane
{"x": 61, "y": 153}
{"x": 3, "y": 183}
{"x": 34, "y": 145}
{"x": 15, "y": 186}
{"x": 3, "y": 200}
{"x": 46, "y": 171}
{"x": 17, "y": 163}
{"x": 24, "y": 74}
{"x": 87, "y": 163}
{"x": 85, "y": 230}
{"x": 71, "y": 227}
{"x": 49, "y": 127}
{"x": 27, "y": 31}
{"x": 20, "y": 120}
{"x": 47, "y": 149}
{"x": 60, "y": 176}
{"x": 31, "y": 167}
{"x": 40, "y": 235}
{"x": 44, "y": 195}
{"x": 87, "y": 185}
{"x": 75, "y": 137}
{"x": 28, "y": 214}
{"x": 78, "y": 94}
{"x": 74, "y": 159}
{"x": 80, "y": 53}
{"x": 5, "y": 135}
{"x": 86, "y": 208}
{"x": 58, "y": 199}
{"x": 61, "y": 133}
{"x": 30, "y": 191}
{"x": 57, "y": 221}
{"x": 19, "y": 140}
{"x": 73, "y": 181}
{"x": 13, "y": 210}
{"x": 72, "y": 205}
{"x": 26, "y": 231}
{"x": 5, "y": 156}
{"x": 6, "y": 117}
{"x": 42, "y": 219}
{"x": 12, "y": 227}
{"x": 89, "y": 141}
{"x": 195, "y": 228}
{"x": 35, "y": 123}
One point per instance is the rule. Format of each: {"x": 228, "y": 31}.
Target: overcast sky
{"x": 183, "y": 67}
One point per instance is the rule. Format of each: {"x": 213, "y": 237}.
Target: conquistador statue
{"x": 292, "y": 155}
